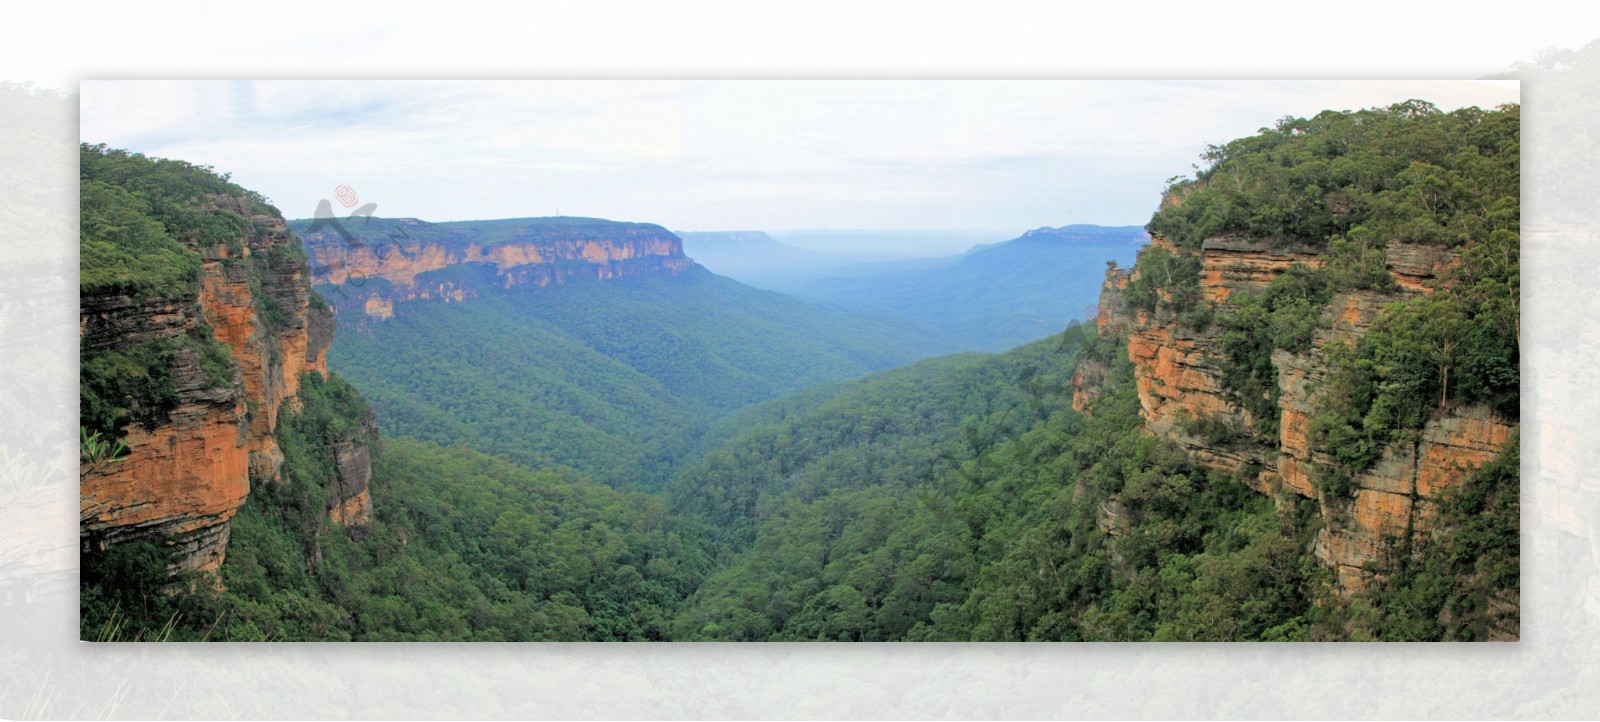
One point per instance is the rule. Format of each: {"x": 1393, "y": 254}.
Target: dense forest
{"x": 616, "y": 380}
{"x": 683, "y": 458}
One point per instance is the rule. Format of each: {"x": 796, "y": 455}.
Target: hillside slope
{"x": 617, "y": 380}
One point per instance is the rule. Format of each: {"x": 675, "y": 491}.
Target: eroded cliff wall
{"x": 377, "y": 265}
{"x": 190, "y": 465}
{"x": 1180, "y": 367}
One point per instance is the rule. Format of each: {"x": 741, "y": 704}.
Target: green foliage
{"x": 1407, "y": 172}
{"x": 1458, "y": 345}
{"x": 1284, "y": 315}
{"x": 333, "y": 409}
{"x": 986, "y": 524}
{"x": 127, "y": 592}
{"x": 897, "y": 428}
{"x": 96, "y": 452}
{"x": 122, "y": 249}
{"x": 142, "y": 219}
{"x": 1357, "y": 266}
{"x": 1351, "y": 183}
{"x": 1165, "y": 280}
{"x": 136, "y": 384}
{"x": 961, "y": 498}
{"x": 1216, "y": 430}
{"x": 465, "y": 547}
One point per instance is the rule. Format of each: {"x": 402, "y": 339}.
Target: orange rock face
{"x": 1111, "y": 315}
{"x": 406, "y": 267}
{"x": 184, "y": 481}
{"x": 1086, "y": 382}
{"x": 379, "y": 308}
{"x": 353, "y": 510}
{"x": 1178, "y": 375}
{"x": 185, "y": 478}
{"x": 1230, "y": 264}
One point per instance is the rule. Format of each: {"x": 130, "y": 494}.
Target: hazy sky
{"x": 721, "y": 155}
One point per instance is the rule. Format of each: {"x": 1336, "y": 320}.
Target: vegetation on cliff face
{"x": 1347, "y": 185}
{"x": 1282, "y": 315}
{"x": 1458, "y": 345}
{"x": 143, "y": 218}
{"x": 143, "y": 223}
{"x": 1460, "y": 583}
{"x": 135, "y": 385}
{"x": 1349, "y": 190}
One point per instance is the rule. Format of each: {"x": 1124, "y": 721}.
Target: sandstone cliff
{"x": 191, "y": 463}
{"x": 1179, "y": 371}
{"x": 378, "y": 262}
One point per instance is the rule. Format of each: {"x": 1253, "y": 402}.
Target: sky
{"x": 724, "y": 155}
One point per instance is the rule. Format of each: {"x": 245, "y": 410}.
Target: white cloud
{"x": 724, "y": 154}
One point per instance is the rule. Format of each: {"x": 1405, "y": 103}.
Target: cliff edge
{"x": 1331, "y": 310}
{"x": 196, "y": 326}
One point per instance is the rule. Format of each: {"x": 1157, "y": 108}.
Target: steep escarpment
{"x": 196, "y": 328}
{"x": 1357, "y": 348}
{"x": 377, "y": 262}
{"x": 1184, "y": 377}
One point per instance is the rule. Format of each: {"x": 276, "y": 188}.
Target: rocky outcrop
{"x": 183, "y": 479}
{"x": 237, "y": 292}
{"x": 1111, "y": 318}
{"x": 1179, "y": 371}
{"x": 408, "y": 259}
{"x": 188, "y": 471}
{"x": 1111, "y": 314}
{"x": 352, "y": 467}
{"x": 1231, "y": 263}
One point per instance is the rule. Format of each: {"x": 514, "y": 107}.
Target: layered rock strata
{"x": 411, "y": 259}
{"x": 1179, "y": 376}
{"x": 186, "y": 474}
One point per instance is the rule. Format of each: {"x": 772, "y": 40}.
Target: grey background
{"x": 1552, "y": 672}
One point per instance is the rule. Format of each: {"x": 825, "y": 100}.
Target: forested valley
{"x": 675, "y": 456}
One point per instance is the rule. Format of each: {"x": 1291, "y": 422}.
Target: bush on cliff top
{"x": 141, "y": 220}
{"x": 1408, "y": 172}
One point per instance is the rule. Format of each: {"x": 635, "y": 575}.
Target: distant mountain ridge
{"x": 756, "y": 258}
{"x": 994, "y": 296}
